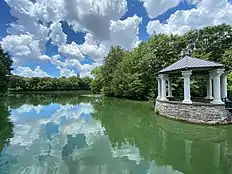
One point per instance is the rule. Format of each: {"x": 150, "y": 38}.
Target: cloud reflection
{"x": 43, "y": 144}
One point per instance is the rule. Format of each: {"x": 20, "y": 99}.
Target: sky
{"x": 54, "y": 38}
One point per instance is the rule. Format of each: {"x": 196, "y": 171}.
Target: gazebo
{"x": 187, "y": 67}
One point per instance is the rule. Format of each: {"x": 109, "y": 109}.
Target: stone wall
{"x": 196, "y": 113}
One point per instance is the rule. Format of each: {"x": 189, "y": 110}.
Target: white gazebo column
{"x": 209, "y": 87}
{"x": 224, "y": 84}
{"x": 187, "y": 96}
{"x": 217, "y": 86}
{"x": 159, "y": 88}
{"x": 163, "y": 87}
{"x": 170, "y": 87}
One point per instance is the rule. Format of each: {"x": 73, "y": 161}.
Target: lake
{"x": 73, "y": 134}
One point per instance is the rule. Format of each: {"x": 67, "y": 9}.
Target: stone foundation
{"x": 205, "y": 113}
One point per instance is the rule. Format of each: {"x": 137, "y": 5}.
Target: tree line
{"x": 132, "y": 74}
{"x": 18, "y": 83}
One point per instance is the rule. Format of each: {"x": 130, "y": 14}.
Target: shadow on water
{"x": 74, "y": 134}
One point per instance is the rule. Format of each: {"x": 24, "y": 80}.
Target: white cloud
{"x": 121, "y": 32}
{"x": 21, "y": 46}
{"x": 71, "y": 51}
{"x": 64, "y": 66}
{"x": 125, "y": 33}
{"x": 86, "y": 69}
{"x": 66, "y": 69}
{"x": 42, "y": 10}
{"x": 67, "y": 72}
{"x": 97, "y": 53}
{"x": 30, "y": 27}
{"x": 32, "y": 21}
{"x": 45, "y": 58}
{"x": 40, "y": 21}
{"x": 28, "y": 21}
{"x": 95, "y": 50}
{"x": 157, "y": 7}
{"x": 73, "y": 63}
{"x": 94, "y": 15}
{"x": 28, "y": 72}
{"x": 57, "y": 35}
{"x": 49, "y": 10}
{"x": 100, "y": 19}
{"x": 55, "y": 60}
{"x": 207, "y": 13}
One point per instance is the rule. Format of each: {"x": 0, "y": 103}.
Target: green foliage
{"x": 5, "y": 69}
{"x": 112, "y": 61}
{"x": 230, "y": 86}
{"x": 97, "y": 83}
{"x": 211, "y": 42}
{"x": 227, "y": 58}
{"x": 133, "y": 74}
{"x": 18, "y": 83}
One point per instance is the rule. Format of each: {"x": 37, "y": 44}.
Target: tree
{"x": 97, "y": 82}
{"x": 133, "y": 74}
{"x": 18, "y": 83}
{"x": 5, "y": 70}
{"x": 85, "y": 83}
{"x": 211, "y": 42}
{"x": 159, "y": 52}
{"x": 114, "y": 57}
{"x": 227, "y": 58}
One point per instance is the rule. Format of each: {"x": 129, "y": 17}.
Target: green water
{"x": 70, "y": 134}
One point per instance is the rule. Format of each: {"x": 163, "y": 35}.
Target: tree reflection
{"x": 6, "y": 127}
{"x": 185, "y": 147}
{"x": 17, "y": 100}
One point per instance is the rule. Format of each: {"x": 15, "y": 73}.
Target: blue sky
{"x": 137, "y": 20}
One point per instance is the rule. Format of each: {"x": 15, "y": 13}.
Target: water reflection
{"x": 89, "y": 135}
{"x": 6, "y": 127}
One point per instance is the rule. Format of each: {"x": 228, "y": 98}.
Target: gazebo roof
{"x": 188, "y": 63}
